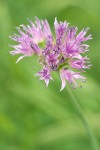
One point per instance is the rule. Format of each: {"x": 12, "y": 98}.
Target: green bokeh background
{"x": 33, "y": 117}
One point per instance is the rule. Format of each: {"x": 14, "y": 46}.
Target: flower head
{"x": 71, "y": 77}
{"x": 44, "y": 74}
{"x": 64, "y": 54}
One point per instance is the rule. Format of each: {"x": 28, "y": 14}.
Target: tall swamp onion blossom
{"x": 65, "y": 52}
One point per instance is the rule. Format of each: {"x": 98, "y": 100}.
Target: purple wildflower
{"x": 80, "y": 64}
{"x": 30, "y": 37}
{"x": 44, "y": 74}
{"x": 70, "y": 76}
{"x": 62, "y": 54}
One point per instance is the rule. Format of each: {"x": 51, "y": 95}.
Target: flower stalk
{"x": 82, "y": 117}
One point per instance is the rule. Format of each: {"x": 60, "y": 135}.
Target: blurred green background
{"x": 33, "y": 117}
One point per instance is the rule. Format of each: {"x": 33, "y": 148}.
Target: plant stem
{"x": 75, "y": 103}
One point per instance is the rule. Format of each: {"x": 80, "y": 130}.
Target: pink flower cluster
{"x": 62, "y": 53}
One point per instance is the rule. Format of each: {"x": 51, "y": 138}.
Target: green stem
{"x": 83, "y": 119}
